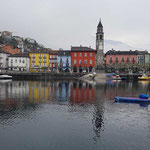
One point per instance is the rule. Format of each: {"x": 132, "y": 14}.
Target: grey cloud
{"x": 62, "y": 23}
{"x": 117, "y": 45}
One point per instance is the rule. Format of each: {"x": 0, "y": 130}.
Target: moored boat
{"x": 92, "y": 75}
{"x": 144, "y": 77}
{"x": 5, "y": 77}
{"x": 131, "y": 99}
{"x": 113, "y": 76}
{"x": 116, "y": 77}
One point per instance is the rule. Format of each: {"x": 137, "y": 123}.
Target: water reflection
{"x": 82, "y": 92}
{"x": 63, "y": 91}
{"x": 22, "y": 99}
{"x": 98, "y": 118}
{"x": 72, "y": 92}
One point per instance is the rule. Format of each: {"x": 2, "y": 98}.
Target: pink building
{"x": 121, "y": 57}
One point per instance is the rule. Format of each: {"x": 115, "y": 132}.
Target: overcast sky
{"x": 62, "y": 23}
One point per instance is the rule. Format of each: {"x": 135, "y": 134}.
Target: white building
{"x": 3, "y": 60}
{"x": 19, "y": 62}
{"x": 143, "y": 57}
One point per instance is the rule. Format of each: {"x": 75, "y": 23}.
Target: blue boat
{"x": 131, "y": 99}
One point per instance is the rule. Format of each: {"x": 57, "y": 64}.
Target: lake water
{"x": 72, "y": 115}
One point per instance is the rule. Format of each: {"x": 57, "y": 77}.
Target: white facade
{"x": 19, "y": 63}
{"x": 3, "y": 60}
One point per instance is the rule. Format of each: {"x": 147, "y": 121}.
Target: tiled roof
{"x": 2, "y": 51}
{"x": 20, "y": 55}
{"x": 113, "y": 52}
{"x": 142, "y": 52}
{"x": 64, "y": 53}
{"x": 53, "y": 52}
{"x": 82, "y": 49}
{"x": 40, "y": 51}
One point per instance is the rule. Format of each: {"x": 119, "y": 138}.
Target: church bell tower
{"x": 100, "y": 47}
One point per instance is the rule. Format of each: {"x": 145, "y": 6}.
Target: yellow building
{"x": 39, "y": 60}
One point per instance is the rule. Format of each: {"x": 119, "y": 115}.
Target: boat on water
{"x": 113, "y": 76}
{"x": 92, "y": 75}
{"x": 141, "y": 98}
{"x": 116, "y": 77}
{"x": 144, "y": 77}
{"x": 5, "y": 77}
{"x": 110, "y": 74}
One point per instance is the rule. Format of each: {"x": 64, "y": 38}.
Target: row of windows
{"x": 40, "y": 64}
{"x": 52, "y": 65}
{"x": 51, "y": 56}
{"x": 55, "y": 56}
{"x": 40, "y": 55}
{"x": 84, "y": 62}
{"x": 18, "y": 61}
{"x": 122, "y": 59}
{"x": 39, "y": 61}
{"x": 45, "y": 57}
{"x": 51, "y": 61}
{"x": 80, "y": 54}
{"x": 141, "y": 57}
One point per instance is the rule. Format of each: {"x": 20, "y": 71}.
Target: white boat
{"x": 92, "y": 75}
{"x": 5, "y": 77}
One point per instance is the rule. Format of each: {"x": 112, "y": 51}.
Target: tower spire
{"x": 100, "y": 24}
{"x": 99, "y": 45}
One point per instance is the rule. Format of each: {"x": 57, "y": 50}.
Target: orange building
{"x": 82, "y": 58}
{"x": 11, "y": 49}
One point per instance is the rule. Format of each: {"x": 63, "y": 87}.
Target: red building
{"x": 11, "y": 49}
{"x": 121, "y": 57}
{"x": 82, "y": 58}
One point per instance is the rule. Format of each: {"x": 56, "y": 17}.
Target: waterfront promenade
{"x": 61, "y": 75}
{"x": 40, "y": 75}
